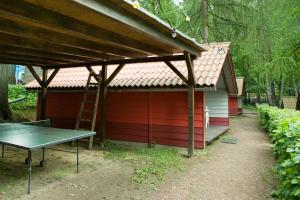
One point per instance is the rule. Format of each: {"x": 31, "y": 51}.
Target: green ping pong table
{"x": 31, "y": 137}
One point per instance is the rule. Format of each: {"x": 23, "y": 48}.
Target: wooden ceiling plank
{"x": 44, "y": 18}
{"x": 42, "y": 53}
{"x": 27, "y": 59}
{"x": 35, "y": 33}
{"x": 34, "y": 44}
{"x": 20, "y": 62}
{"x": 36, "y": 58}
{"x": 109, "y": 13}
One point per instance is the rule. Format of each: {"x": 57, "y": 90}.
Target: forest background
{"x": 264, "y": 37}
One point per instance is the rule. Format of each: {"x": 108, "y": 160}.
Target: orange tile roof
{"x": 240, "y": 85}
{"x": 158, "y": 74}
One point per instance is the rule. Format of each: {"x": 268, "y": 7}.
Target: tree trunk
{"x": 204, "y": 18}
{"x": 258, "y": 97}
{"x": 280, "y": 92}
{"x": 295, "y": 86}
{"x": 298, "y": 101}
{"x": 4, "y": 108}
{"x": 268, "y": 91}
{"x": 155, "y": 5}
{"x": 273, "y": 97}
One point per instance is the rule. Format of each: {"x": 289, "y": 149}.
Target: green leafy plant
{"x": 283, "y": 126}
{"x": 150, "y": 164}
{"x": 19, "y": 91}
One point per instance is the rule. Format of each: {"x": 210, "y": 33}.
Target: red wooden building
{"x": 236, "y": 101}
{"x": 148, "y": 103}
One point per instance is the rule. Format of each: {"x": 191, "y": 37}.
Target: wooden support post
{"x": 191, "y": 112}
{"x": 114, "y": 74}
{"x": 190, "y": 67}
{"x": 103, "y": 92}
{"x": 191, "y": 104}
{"x": 177, "y": 72}
{"x": 51, "y": 77}
{"x": 34, "y": 74}
{"x": 94, "y": 74}
{"x": 43, "y": 95}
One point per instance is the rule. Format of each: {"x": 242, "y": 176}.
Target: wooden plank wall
{"x": 148, "y": 117}
{"x": 217, "y": 103}
{"x": 233, "y": 106}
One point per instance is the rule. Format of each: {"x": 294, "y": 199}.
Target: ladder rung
{"x": 88, "y": 111}
{"x": 90, "y": 101}
{"x": 86, "y": 120}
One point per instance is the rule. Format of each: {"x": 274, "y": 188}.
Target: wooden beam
{"x": 103, "y": 94}
{"x": 19, "y": 41}
{"x": 31, "y": 58}
{"x": 190, "y": 67}
{"x": 19, "y": 62}
{"x": 44, "y": 54}
{"x": 34, "y": 33}
{"x": 43, "y": 95}
{"x": 114, "y": 74}
{"x": 24, "y": 60}
{"x": 191, "y": 104}
{"x": 177, "y": 72}
{"x": 94, "y": 74}
{"x": 118, "y": 62}
{"x": 35, "y": 75}
{"x": 51, "y": 77}
{"x": 60, "y": 22}
{"x": 191, "y": 114}
{"x": 120, "y": 17}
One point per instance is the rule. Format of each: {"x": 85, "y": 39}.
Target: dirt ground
{"x": 223, "y": 171}
{"x": 241, "y": 171}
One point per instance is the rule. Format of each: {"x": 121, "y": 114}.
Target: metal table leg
{"x": 77, "y": 156}
{"x": 29, "y": 171}
{"x": 2, "y": 150}
{"x": 43, "y": 162}
{"x": 43, "y": 153}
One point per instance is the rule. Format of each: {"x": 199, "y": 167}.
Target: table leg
{"x": 2, "y": 150}
{"x": 29, "y": 171}
{"x": 43, "y": 153}
{"x": 77, "y": 156}
{"x": 43, "y": 162}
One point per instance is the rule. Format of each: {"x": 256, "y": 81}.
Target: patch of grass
{"x": 270, "y": 177}
{"x": 13, "y": 172}
{"x": 151, "y": 164}
{"x": 249, "y": 107}
{"x": 24, "y": 114}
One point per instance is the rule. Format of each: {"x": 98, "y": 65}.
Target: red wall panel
{"x": 219, "y": 121}
{"x": 156, "y": 117}
{"x": 233, "y": 106}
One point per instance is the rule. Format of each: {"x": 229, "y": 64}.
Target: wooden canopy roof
{"x": 62, "y": 33}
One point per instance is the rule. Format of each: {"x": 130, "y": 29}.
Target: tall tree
{"x": 204, "y": 21}
{"x": 264, "y": 36}
{"x": 4, "y": 107}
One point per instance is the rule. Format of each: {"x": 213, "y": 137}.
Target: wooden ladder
{"x": 84, "y": 110}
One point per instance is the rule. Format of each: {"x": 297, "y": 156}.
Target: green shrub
{"x": 19, "y": 91}
{"x": 283, "y": 127}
